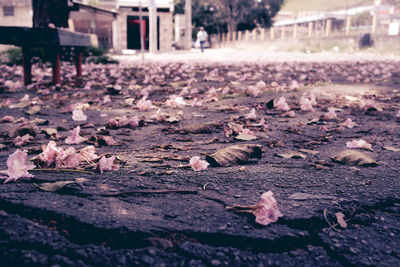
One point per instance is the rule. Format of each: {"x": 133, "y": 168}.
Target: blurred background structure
{"x": 305, "y": 25}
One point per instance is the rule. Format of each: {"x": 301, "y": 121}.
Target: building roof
{"x": 146, "y": 3}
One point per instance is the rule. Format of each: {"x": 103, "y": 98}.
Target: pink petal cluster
{"x": 144, "y": 104}
{"x": 331, "y": 115}
{"x": 88, "y": 154}
{"x": 261, "y": 85}
{"x": 77, "y": 115}
{"x": 7, "y": 119}
{"x": 109, "y": 140}
{"x": 18, "y": 166}
{"x": 196, "y": 102}
{"x": 106, "y": 99}
{"x": 123, "y": 121}
{"x": 107, "y": 164}
{"x": 22, "y": 140}
{"x": 175, "y": 101}
{"x": 254, "y": 91}
{"x": 158, "y": 116}
{"x": 252, "y": 114}
{"x": 348, "y": 123}
{"x": 198, "y": 164}
{"x": 281, "y": 104}
{"x": 369, "y": 103}
{"x": 359, "y": 144}
{"x": 289, "y": 114}
{"x": 398, "y": 114}
{"x": 306, "y": 105}
{"x": 74, "y": 138}
{"x": 69, "y": 158}
{"x": 267, "y": 209}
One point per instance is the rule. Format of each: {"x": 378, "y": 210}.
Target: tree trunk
{"x": 50, "y": 11}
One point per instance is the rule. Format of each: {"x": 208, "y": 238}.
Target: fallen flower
{"x": 7, "y": 119}
{"x": 109, "y": 140}
{"x": 107, "y": 164}
{"x": 306, "y": 105}
{"x": 281, "y": 104}
{"x": 74, "y": 138}
{"x": 359, "y": 144}
{"x": 266, "y": 210}
{"x": 289, "y": 114}
{"x": 331, "y": 115}
{"x": 348, "y": 123}
{"x": 88, "y": 154}
{"x": 198, "y": 164}
{"x": 398, "y": 114}
{"x": 18, "y": 166}
{"x": 252, "y": 114}
{"x": 22, "y": 140}
{"x": 368, "y": 104}
{"x": 77, "y": 115}
{"x": 68, "y": 158}
{"x": 144, "y": 104}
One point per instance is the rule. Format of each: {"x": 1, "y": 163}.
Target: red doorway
{"x": 134, "y": 32}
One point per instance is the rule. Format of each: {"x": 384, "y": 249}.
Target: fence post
{"x": 262, "y": 34}
{"x": 328, "y": 28}
{"x": 310, "y": 29}
{"x": 254, "y": 34}
{"x": 240, "y": 36}
{"x": 348, "y": 25}
{"x": 247, "y": 33}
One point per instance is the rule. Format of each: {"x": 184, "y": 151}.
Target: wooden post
{"x": 56, "y": 67}
{"x": 295, "y": 26}
{"x": 374, "y": 22}
{"x": 262, "y": 34}
{"x": 254, "y": 34}
{"x": 283, "y": 32}
{"x": 328, "y": 27}
{"x": 27, "y": 64}
{"x": 310, "y": 29}
{"x": 348, "y": 25}
{"x": 247, "y": 33}
{"x": 240, "y": 33}
{"x": 78, "y": 62}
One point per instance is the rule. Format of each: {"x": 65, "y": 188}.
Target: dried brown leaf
{"x": 354, "y": 157}
{"x": 201, "y": 128}
{"x": 234, "y": 155}
{"x": 292, "y": 155}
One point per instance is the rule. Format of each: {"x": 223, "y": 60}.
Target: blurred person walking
{"x": 202, "y": 37}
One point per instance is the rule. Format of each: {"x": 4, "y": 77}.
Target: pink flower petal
{"x": 198, "y": 164}
{"x": 267, "y": 209}
{"x": 74, "y": 137}
{"x": 359, "y": 144}
{"x": 18, "y": 166}
{"x": 107, "y": 164}
{"x": 77, "y": 115}
{"x": 281, "y": 104}
{"x": 252, "y": 114}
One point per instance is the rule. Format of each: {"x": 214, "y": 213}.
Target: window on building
{"x": 8, "y": 11}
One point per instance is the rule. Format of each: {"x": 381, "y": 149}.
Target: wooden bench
{"x": 52, "y": 39}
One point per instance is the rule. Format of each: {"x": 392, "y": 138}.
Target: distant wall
{"x": 22, "y": 14}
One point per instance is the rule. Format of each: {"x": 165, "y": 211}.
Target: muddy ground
{"x": 96, "y": 224}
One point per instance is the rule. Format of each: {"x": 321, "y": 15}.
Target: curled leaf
{"x": 54, "y": 187}
{"x": 201, "y": 128}
{"x": 234, "y": 155}
{"x": 354, "y": 157}
{"x": 292, "y": 155}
